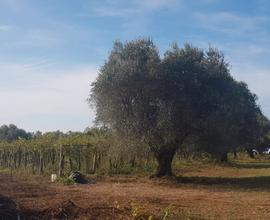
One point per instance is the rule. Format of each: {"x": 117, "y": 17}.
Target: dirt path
{"x": 115, "y": 198}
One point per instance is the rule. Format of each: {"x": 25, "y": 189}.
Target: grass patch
{"x": 257, "y": 182}
{"x": 68, "y": 181}
{"x": 241, "y": 173}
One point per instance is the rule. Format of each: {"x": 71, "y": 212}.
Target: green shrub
{"x": 69, "y": 181}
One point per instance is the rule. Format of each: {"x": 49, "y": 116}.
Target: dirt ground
{"x": 128, "y": 197}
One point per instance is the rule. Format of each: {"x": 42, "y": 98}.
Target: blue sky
{"x": 50, "y": 51}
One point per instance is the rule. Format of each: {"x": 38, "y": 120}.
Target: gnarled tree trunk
{"x": 250, "y": 153}
{"x": 224, "y": 157}
{"x": 164, "y": 158}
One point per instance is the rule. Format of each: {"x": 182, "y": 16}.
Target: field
{"x": 240, "y": 190}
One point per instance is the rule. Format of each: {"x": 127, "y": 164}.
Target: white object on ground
{"x": 53, "y": 178}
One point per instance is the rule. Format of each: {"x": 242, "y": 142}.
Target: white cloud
{"x": 15, "y": 5}
{"x": 230, "y": 23}
{"x": 118, "y": 9}
{"x": 46, "y": 94}
{"x": 5, "y": 28}
{"x": 46, "y": 38}
{"x": 112, "y": 12}
{"x": 158, "y": 4}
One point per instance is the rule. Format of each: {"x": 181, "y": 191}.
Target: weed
{"x": 136, "y": 210}
{"x": 167, "y": 213}
{"x": 68, "y": 181}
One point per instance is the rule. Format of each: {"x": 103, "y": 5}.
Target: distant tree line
{"x": 12, "y": 132}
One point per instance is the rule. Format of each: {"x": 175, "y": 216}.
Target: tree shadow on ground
{"x": 246, "y": 183}
{"x": 254, "y": 165}
{"x": 7, "y": 209}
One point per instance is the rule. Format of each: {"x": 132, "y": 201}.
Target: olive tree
{"x": 234, "y": 122}
{"x": 161, "y": 101}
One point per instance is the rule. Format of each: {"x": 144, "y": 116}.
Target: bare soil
{"x": 127, "y": 197}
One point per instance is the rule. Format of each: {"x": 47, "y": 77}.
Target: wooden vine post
{"x": 61, "y": 161}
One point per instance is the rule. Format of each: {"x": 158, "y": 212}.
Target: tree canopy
{"x": 11, "y": 133}
{"x": 161, "y": 101}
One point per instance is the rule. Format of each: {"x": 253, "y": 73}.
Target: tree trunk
{"x": 20, "y": 158}
{"x": 132, "y": 162}
{"x": 70, "y": 164}
{"x": 40, "y": 163}
{"x": 25, "y": 159}
{"x": 164, "y": 158}
{"x": 94, "y": 165}
{"x": 224, "y": 157}
{"x": 79, "y": 159}
{"x": 235, "y": 155}
{"x": 87, "y": 162}
{"x": 250, "y": 153}
{"x": 61, "y": 162}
